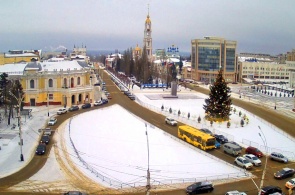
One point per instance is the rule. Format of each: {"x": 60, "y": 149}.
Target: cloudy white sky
{"x": 264, "y": 26}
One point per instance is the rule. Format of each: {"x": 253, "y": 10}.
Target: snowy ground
{"x": 113, "y": 143}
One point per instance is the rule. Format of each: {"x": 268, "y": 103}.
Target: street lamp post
{"x": 148, "y": 183}
{"x": 264, "y": 170}
{"x": 19, "y": 101}
{"x": 47, "y": 104}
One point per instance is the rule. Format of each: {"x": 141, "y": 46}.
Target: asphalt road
{"x": 157, "y": 120}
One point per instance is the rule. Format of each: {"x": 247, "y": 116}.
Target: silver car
{"x": 278, "y": 157}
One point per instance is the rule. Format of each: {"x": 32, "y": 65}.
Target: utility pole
{"x": 148, "y": 183}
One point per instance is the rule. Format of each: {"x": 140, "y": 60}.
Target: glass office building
{"x": 211, "y": 54}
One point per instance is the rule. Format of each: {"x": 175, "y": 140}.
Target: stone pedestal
{"x": 173, "y": 88}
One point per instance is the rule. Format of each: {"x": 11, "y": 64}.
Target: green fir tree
{"x": 218, "y": 105}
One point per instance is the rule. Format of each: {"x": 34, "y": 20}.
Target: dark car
{"x": 207, "y": 131}
{"x": 127, "y": 93}
{"x": 105, "y": 101}
{"x": 221, "y": 138}
{"x": 41, "y": 149}
{"x": 132, "y": 97}
{"x": 74, "y": 193}
{"x": 284, "y": 173}
{"x": 254, "y": 151}
{"x": 87, "y": 105}
{"x": 270, "y": 190}
{"x": 200, "y": 187}
{"x": 74, "y": 108}
{"x": 45, "y": 139}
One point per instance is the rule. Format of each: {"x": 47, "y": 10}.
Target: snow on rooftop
{"x": 13, "y": 69}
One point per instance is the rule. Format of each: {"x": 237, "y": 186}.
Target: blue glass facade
{"x": 208, "y": 58}
{"x": 230, "y": 59}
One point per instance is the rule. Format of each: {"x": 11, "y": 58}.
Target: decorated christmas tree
{"x": 217, "y": 107}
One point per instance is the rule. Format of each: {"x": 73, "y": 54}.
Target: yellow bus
{"x": 196, "y": 137}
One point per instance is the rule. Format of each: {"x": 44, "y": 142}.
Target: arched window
{"x": 78, "y": 81}
{"x": 65, "y": 83}
{"x": 50, "y": 83}
{"x": 32, "y": 83}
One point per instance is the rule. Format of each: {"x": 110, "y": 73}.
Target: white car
{"x": 98, "y": 103}
{"x": 253, "y": 159}
{"x": 170, "y": 121}
{"x": 52, "y": 121}
{"x": 62, "y": 111}
{"x": 243, "y": 162}
{"x": 235, "y": 192}
{"x": 290, "y": 184}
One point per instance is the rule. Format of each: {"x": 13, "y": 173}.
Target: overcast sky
{"x": 259, "y": 26}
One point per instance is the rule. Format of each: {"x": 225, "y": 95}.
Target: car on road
{"x": 170, "y": 121}
{"x": 284, "y": 173}
{"x": 73, "y": 108}
{"x": 52, "y": 121}
{"x": 41, "y": 149}
{"x": 235, "y": 143}
{"x": 74, "y": 193}
{"x": 220, "y": 138}
{"x": 132, "y": 97}
{"x": 109, "y": 96}
{"x": 207, "y": 131}
{"x": 200, "y": 187}
{"x": 98, "y": 103}
{"x": 105, "y": 101}
{"x": 235, "y": 192}
{"x": 45, "y": 139}
{"x": 290, "y": 184}
{"x": 267, "y": 190}
{"x": 127, "y": 93}
{"x": 87, "y": 105}
{"x": 253, "y": 159}
{"x": 254, "y": 151}
{"x": 47, "y": 131}
{"x": 62, "y": 111}
{"x": 278, "y": 157}
{"x": 243, "y": 162}
{"x": 217, "y": 144}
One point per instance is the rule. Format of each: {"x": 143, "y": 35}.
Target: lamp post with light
{"x": 264, "y": 170}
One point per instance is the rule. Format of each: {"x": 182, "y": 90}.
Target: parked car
{"x": 217, "y": 144}
{"x": 98, "y": 103}
{"x": 74, "y": 108}
{"x": 235, "y": 192}
{"x": 41, "y": 149}
{"x": 207, "y": 131}
{"x": 45, "y": 139}
{"x": 235, "y": 143}
{"x": 74, "y": 193}
{"x": 105, "y": 101}
{"x": 47, "y": 131}
{"x": 243, "y": 162}
{"x": 170, "y": 121}
{"x": 284, "y": 173}
{"x": 253, "y": 159}
{"x": 278, "y": 157}
{"x": 87, "y": 105}
{"x": 97, "y": 84}
{"x": 127, "y": 93}
{"x": 52, "y": 121}
{"x": 254, "y": 151}
{"x": 132, "y": 97}
{"x": 62, "y": 111}
{"x": 221, "y": 138}
{"x": 232, "y": 149}
{"x": 290, "y": 184}
{"x": 200, "y": 187}
{"x": 267, "y": 190}
{"x": 109, "y": 96}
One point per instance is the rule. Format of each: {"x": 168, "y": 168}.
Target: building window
{"x": 78, "y": 81}
{"x": 65, "y": 83}
{"x": 50, "y": 96}
{"x": 50, "y": 83}
{"x": 32, "y": 84}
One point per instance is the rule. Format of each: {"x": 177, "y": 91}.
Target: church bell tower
{"x": 147, "y": 41}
